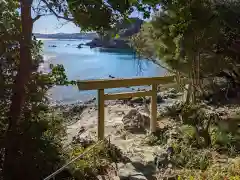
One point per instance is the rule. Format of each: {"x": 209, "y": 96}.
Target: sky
{"x": 50, "y": 24}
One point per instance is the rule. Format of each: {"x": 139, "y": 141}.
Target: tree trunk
{"x": 11, "y": 170}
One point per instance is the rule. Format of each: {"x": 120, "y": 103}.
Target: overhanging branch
{"x": 36, "y": 18}
{"x": 55, "y": 13}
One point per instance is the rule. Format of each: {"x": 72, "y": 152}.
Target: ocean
{"x": 86, "y": 63}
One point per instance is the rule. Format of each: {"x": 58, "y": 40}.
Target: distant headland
{"x": 67, "y": 35}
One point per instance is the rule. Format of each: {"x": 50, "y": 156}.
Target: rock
{"x": 91, "y": 101}
{"x": 120, "y": 113}
{"x": 129, "y": 172}
{"x": 137, "y": 100}
{"x": 99, "y": 177}
{"x": 72, "y": 109}
{"x": 171, "y": 93}
{"x": 135, "y": 122}
{"x": 137, "y": 177}
{"x": 110, "y": 76}
{"x": 163, "y": 160}
{"x": 84, "y": 142}
{"x": 147, "y": 100}
{"x": 52, "y": 46}
{"x": 82, "y": 130}
{"x": 173, "y": 177}
{"x": 172, "y": 90}
{"x": 96, "y": 42}
{"x": 79, "y": 46}
{"x": 110, "y": 44}
{"x": 140, "y": 100}
{"x": 159, "y": 99}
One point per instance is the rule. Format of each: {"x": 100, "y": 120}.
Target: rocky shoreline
{"x": 127, "y": 121}
{"x": 127, "y": 125}
{"x": 163, "y": 98}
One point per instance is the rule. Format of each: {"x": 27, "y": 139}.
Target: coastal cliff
{"x": 124, "y": 31}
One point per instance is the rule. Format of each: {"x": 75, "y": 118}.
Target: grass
{"x": 98, "y": 161}
{"x": 193, "y": 159}
{"x": 228, "y": 171}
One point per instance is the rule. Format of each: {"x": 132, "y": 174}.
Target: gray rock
{"x": 84, "y": 142}
{"x": 99, "y": 177}
{"x": 167, "y": 95}
{"x": 90, "y": 101}
{"x": 137, "y": 100}
{"x": 134, "y": 121}
{"x": 79, "y": 46}
{"x": 137, "y": 177}
{"x": 159, "y": 99}
{"x": 163, "y": 160}
{"x": 172, "y": 90}
{"x": 171, "y": 93}
{"x": 71, "y": 109}
{"x": 52, "y": 46}
{"x": 129, "y": 172}
{"x": 141, "y": 100}
{"x": 116, "y": 178}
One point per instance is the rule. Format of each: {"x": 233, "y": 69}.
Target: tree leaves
{"x": 180, "y": 29}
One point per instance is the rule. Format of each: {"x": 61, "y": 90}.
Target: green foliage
{"x": 190, "y": 158}
{"x": 97, "y": 161}
{"x": 104, "y": 15}
{"x": 188, "y": 134}
{"x": 189, "y": 44}
{"x": 225, "y": 142}
{"x": 36, "y": 130}
{"x": 158, "y": 138}
{"x": 214, "y": 172}
{"x": 40, "y": 130}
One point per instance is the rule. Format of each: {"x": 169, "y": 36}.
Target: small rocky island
{"x": 125, "y": 30}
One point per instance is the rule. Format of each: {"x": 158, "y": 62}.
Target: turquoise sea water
{"x": 86, "y": 63}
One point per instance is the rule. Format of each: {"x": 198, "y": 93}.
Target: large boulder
{"x": 136, "y": 122}
{"x": 96, "y": 42}
{"x": 170, "y": 93}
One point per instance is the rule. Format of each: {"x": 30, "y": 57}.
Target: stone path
{"x": 140, "y": 165}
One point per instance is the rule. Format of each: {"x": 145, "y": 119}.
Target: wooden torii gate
{"x": 102, "y": 84}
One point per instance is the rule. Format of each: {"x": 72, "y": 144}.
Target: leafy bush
{"x": 188, "y": 134}
{"x": 97, "y": 161}
{"x": 188, "y": 157}
{"x": 231, "y": 170}
{"x": 158, "y": 138}
{"x": 36, "y": 142}
{"x": 225, "y": 142}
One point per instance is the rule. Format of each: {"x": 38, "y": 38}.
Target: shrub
{"x": 230, "y": 170}
{"x": 158, "y": 138}
{"x": 97, "y": 161}
{"x": 188, "y": 134}
{"x": 225, "y": 142}
{"x": 191, "y": 158}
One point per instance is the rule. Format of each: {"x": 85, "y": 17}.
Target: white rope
{"x": 74, "y": 159}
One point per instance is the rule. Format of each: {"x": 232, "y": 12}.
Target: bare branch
{"x": 62, "y": 24}
{"x": 36, "y": 18}
{"x": 39, "y": 2}
{"x": 39, "y": 16}
{"x": 55, "y": 13}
